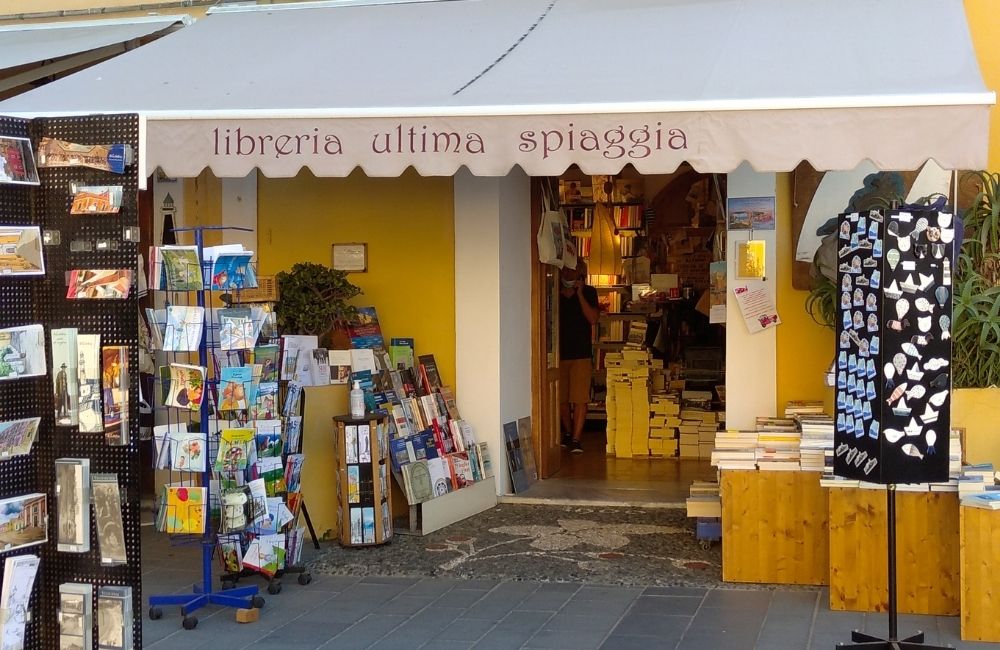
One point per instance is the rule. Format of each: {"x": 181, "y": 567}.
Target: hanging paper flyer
{"x": 717, "y": 292}
{"x": 756, "y": 305}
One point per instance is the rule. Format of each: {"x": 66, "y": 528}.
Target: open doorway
{"x": 656, "y": 391}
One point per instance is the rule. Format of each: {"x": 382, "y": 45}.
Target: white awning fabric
{"x": 544, "y": 84}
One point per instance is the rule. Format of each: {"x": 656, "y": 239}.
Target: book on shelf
{"x": 236, "y": 329}
{"x": 364, "y": 330}
{"x": 340, "y": 366}
{"x": 184, "y": 509}
{"x": 429, "y": 376}
{"x": 440, "y": 476}
{"x": 986, "y": 500}
{"x": 182, "y": 329}
{"x": 461, "y": 469}
{"x": 231, "y": 269}
{"x": 175, "y": 268}
{"x": 235, "y": 448}
{"x": 186, "y": 386}
{"x": 401, "y": 352}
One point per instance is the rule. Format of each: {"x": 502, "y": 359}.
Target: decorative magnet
{"x": 924, "y": 323}
{"x": 893, "y": 435}
{"x": 897, "y": 325}
{"x": 947, "y": 235}
{"x": 874, "y": 345}
{"x": 876, "y": 279}
{"x": 903, "y": 243}
{"x": 892, "y": 292}
{"x": 929, "y": 416}
{"x": 899, "y": 362}
{"x": 856, "y": 264}
{"x": 862, "y": 457}
{"x": 935, "y": 364}
{"x": 890, "y": 370}
{"x": 845, "y": 230}
{"x": 911, "y": 450}
{"x": 859, "y": 320}
{"x": 877, "y": 249}
{"x": 937, "y": 399}
{"x": 845, "y": 339}
{"x": 849, "y": 458}
{"x": 892, "y": 257}
{"x": 941, "y": 295}
{"x": 852, "y": 363}
{"x": 842, "y": 361}
{"x": 933, "y": 234}
{"x": 847, "y": 320}
{"x": 931, "y": 438}
{"x": 901, "y": 409}
{"x": 937, "y": 251}
{"x": 902, "y": 307}
{"x": 916, "y": 392}
{"x": 946, "y": 267}
{"x": 915, "y": 374}
{"x": 846, "y": 284}
{"x": 924, "y": 305}
{"x": 893, "y": 229}
{"x": 919, "y": 227}
{"x": 859, "y": 428}
{"x": 872, "y": 323}
{"x": 841, "y": 422}
{"x": 859, "y": 298}
{"x": 870, "y": 393}
{"x": 870, "y": 369}
{"x": 909, "y": 285}
{"x": 944, "y": 220}
{"x": 873, "y": 429}
{"x": 945, "y": 322}
{"x": 911, "y": 350}
{"x": 925, "y": 281}
{"x": 866, "y": 411}
{"x": 941, "y": 381}
{"x": 912, "y": 429}
{"x": 896, "y": 394}
{"x": 870, "y": 465}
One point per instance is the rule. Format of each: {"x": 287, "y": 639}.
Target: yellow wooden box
{"x": 774, "y": 528}
{"x": 980, "y": 562}
{"x": 927, "y": 552}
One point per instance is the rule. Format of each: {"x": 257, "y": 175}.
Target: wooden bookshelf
{"x": 361, "y": 448}
{"x": 774, "y": 528}
{"x": 927, "y": 536}
{"x": 980, "y": 580}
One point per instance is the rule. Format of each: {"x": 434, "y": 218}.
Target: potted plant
{"x": 976, "y": 323}
{"x": 312, "y": 299}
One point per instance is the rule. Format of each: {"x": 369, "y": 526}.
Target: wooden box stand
{"x": 980, "y": 558}
{"x": 927, "y": 572}
{"x": 364, "y": 498}
{"x": 774, "y": 528}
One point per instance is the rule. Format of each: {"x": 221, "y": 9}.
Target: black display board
{"x": 893, "y": 390}
{"x": 42, "y": 299}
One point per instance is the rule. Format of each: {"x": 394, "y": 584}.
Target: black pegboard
{"x": 43, "y": 300}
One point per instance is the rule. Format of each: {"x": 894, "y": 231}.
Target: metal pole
{"x": 890, "y": 493}
{"x": 207, "y": 543}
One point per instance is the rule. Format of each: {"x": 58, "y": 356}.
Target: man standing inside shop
{"x": 577, "y": 314}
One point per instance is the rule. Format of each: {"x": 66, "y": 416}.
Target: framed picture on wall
{"x": 350, "y": 257}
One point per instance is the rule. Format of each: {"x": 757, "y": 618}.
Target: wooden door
{"x": 545, "y": 351}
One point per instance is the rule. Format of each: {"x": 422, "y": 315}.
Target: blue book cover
{"x": 233, "y": 271}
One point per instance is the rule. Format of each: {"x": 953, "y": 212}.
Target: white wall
{"x": 751, "y": 366}
{"x": 493, "y": 307}
{"x": 239, "y": 208}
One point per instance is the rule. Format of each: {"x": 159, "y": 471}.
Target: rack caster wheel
{"x": 258, "y": 602}
{"x": 190, "y": 622}
{"x": 227, "y": 584}
{"x": 305, "y": 578}
{"x": 705, "y": 544}
{"x": 155, "y": 613}
{"x": 274, "y": 588}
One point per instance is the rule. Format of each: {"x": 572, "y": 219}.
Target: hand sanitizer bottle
{"x": 357, "y": 401}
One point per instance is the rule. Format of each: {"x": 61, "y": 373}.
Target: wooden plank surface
{"x": 927, "y": 552}
{"x": 774, "y": 528}
{"x": 980, "y": 560}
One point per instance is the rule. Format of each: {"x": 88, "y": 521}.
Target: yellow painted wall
{"x": 984, "y": 26}
{"x": 409, "y": 226}
{"x": 975, "y": 410}
{"x": 804, "y": 349}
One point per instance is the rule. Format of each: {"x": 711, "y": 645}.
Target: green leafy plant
{"x": 976, "y": 310}
{"x": 821, "y": 303}
{"x": 312, "y": 299}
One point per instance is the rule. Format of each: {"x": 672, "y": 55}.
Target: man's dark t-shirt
{"x": 574, "y": 328}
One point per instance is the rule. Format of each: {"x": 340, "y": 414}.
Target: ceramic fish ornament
{"x": 911, "y": 450}
{"x": 923, "y": 304}
{"x": 893, "y": 435}
{"x": 911, "y": 350}
{"x": 930, "y": 438}
{"x": 897, "y": 393}
{"x": 916, "y": 392}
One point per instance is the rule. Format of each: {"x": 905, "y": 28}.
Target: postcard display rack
{"x": 76, "y": 242}
{"x": 361, "y": 453}
{"x": 893, "y": 398}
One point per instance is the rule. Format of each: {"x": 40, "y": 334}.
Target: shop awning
{"x": 62, "y": 46}
{"x": 543, "y": 84}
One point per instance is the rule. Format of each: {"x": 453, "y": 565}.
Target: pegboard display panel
{"x": 22, "y": 302}
{"x": 85, "y": 242}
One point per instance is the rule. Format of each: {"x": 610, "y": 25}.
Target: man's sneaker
{"x": 566, "y": 440}
{"x": 577, "y": 447}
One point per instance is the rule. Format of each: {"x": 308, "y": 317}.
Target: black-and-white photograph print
{"x": 107, "y": 506}
{"x": 73, "y": 504}
{"x": 110, "y": 622}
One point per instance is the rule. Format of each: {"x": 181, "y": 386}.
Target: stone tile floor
{"x": 342, "y": 613}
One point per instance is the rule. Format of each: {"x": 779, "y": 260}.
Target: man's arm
{"x": 588, "y": 303}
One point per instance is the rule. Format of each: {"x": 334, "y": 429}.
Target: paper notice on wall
{"x": 756, "y": 305}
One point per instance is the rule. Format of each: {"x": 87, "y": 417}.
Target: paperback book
{"x": 430, "y": 378}
{"x": 267, "y": 356}
{"x": 176, "y": 268}
{"x": 231, "y": 553}
{"x": 233, "y": 271}
{"x": 21, "y": 250}
{"x": 364, "y": 331}
{"x": 65, "y": 381}
{"x": 236, "y": 329}
{"x": 265, "y": 401}
{"x": 22, "y": 352}
{"x": 188, "y": 451}
{"x": 99, "y": 284}
{"x": 185, "y": 510}
{"x": 184, "y": 328}
{"x": 235, "y": 448}
{"x": 234, "y": 387}
{"x": 340, "y": 366}
{"x": 401, "y": 353}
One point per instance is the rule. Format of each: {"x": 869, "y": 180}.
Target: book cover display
{"x": 65, "y": 377}
{"x": 894, "y": 346}
{"x": 73, "y": 504}
{"x": 21, "y": 251}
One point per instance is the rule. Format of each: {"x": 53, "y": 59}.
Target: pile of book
{"x": 735, "y": 450}
{"x": 698, "y": 430}
{"x": 639, "y": 423}
{"x": 953, "y": 484}
{"x": 704, "y": 500}
{"x": 778, "y": 441}
{"x": 664, "y": 419}
{"x": 817, "y": 428}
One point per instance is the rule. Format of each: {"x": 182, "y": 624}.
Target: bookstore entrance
{"x": 635, "y": 421}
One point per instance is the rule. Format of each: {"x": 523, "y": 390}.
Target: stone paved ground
{"x": 342, "y": 613}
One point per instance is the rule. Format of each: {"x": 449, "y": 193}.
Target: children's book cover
{"x": 18, "y": 436}
{"x": 99, "y": 284}
{"x": 65, "y": 378}
{"x": 181, "y": 270}
{"x": 235, "y": 446}
{"x": 185, "y": 513}
{"x": 183, "y": 329}
{"x": 21, "y": 251}
{"x": 236, "y": 329}
{"x": 231, "y": 553}
{"x": 269, "y": 443}
{"x": 293, "y": 434}
{"x": 189, "y": 450}
{"x": 115, "y": 389}
{"x": 187, "y": 385}
{"x": 267, "y": 357}
{"x": 97, "y": 199}
{"x": 91, "y": 412}
{"x": 234, "y": 384}
{"x": 232, "y": 271}
{"x": 22, "y": 352}
{"x": 272, "y": 470}
{"x": 293, "y": 472}
{"x": 17, "y": 161}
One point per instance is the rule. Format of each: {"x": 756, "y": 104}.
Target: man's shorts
{"x": 574, "y": 381}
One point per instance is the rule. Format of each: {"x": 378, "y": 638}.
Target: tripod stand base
{"x": 862, "y": 641}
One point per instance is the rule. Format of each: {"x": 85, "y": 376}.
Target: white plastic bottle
{"x": 357, "y": 401}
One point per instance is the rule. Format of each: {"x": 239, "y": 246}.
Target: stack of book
{"x": 975, "y": 479}
{"x": 704, "y": 500}
{"x": 778, "y": 441}
{"x": 663, "y": 422}
{"x": 816, "y": 447}
{"x": 628, "y": 405}
{"x": 735, "y": 450}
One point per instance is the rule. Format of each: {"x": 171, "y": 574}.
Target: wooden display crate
{"x": 927, "y": 551}
{"x": 774, "y": 528}
{"x": 361, "y": 448}
{"x": 980, "y": 561}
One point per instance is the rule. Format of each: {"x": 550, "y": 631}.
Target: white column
{"x": 751, "y": 365}
{"x": 493, "y": 307}
{"x": 239, "y": 208}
